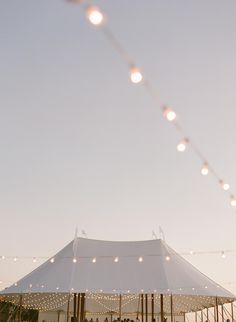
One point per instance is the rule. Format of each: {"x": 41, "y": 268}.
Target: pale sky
{"x": 81, "y": 145}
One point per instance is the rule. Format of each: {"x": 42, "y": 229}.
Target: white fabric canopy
{"x": 94, "y": 266}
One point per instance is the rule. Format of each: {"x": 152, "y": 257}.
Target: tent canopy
{"x": 87, "y": 265}
{"x": 105, "y": 269}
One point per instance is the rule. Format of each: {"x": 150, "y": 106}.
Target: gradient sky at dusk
{"x": 81, "y": 145}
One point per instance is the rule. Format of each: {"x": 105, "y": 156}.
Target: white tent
{"x": 105, "y": 269}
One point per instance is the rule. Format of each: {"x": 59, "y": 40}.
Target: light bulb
{"x": 135, "y": 75}
{"x": 1, "y": 282}
{"x": 52, "y": 260}
{"x": 94, "y": 15}
{"x": 191, "y": 252}
{"x": 140, "y": 259}
{"x": 205, "y": 170}
{"x": 3, "y": 257}
{"x": 223, "y": 254}
{"x": 225, "y": 186}
{"x": 116, "y": 260}
{"x": 94, "y": 260}
{"x": 74, "y": 260}
{"x": 167, "y": 258}
{"x": 181, "y": 147}
{"x": 15, "y": 259}
{"x": 233, "y": 201}
{"x": 169, "y": 114}
{"x": 34, "y": 260}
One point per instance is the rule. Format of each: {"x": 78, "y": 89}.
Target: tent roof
{"x": 117, "y": 267}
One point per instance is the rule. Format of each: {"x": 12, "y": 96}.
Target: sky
{"x": 83, "y": 146}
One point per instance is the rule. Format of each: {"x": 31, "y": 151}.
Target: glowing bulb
{"x": 34, "y": 260}
{"x": 140, "y": 259}
{"x": 3, "y": 257}
{"x": 52, "y": 260}
{"x": 181, "y": 147}
{"x": 135, "y": 75}
{"x": 74, "y": 260}
{"x": 94, "y": 15}
{"x": 205, "y": 170}
{"x": 191, "y": 252}
{"x": 15, "y": 259}
{"x": 116, "y": 260}
{"x": 167, "y": 258}
{"x": 1, "y": 282}
{"x": 233, "y": 201}
{"x": 223, "y": 254}
{"x": 225, "y": 186}
{"x": 169, "y": 114}
{"x": 94, "y": 260}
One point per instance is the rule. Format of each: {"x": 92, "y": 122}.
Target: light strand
{"x": 95, "y": 16}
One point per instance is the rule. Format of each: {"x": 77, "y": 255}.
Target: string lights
{"x": 135, "y": 75}
{"x": 205, "y": 169}
{"x": 117, "y": 259}
{"x": 96, "y": 17}
{"x": 181, "y": 147}
{"x": 169, "y": 114}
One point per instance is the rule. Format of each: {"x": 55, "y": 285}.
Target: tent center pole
{"x": 162, "y": 308}
{"x": 232, "y": 311}
{"x": 171, "y": 308}
{"x": 120, "y": 307}
{"x": 146, "y": 308}
{"x": 217, "y": 312}
{"x": 152, "y": 307}
{"x": 78, "y": 306}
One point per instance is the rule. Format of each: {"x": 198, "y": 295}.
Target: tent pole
{"x": 207, "y": 315}
{"x": 120, "y": 308}
{"x": 142, "y": 319}
{"x": 82, "y": 308}
{"x": 232, "y": 311}
{"x": 74, "y": 307}
{"x": 138, "y": 312}
{"x": 68, "y": 309}
{"x": 201, "y": 315}
{"x": 20, "y": 309}
{"x": 171, "y": 308}
{"x": 152, "y": 307}
{"x": 195, "y": 316}
{"x": 162, "y": 310}
{"x": 146, "y": 307}
{"x": 217, "y": 312}
{"x": 58, "y": 315}
{"x": 184, "y": 317}
{"x": 222, "y": 312}
{"x": 78, "y": 307}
